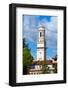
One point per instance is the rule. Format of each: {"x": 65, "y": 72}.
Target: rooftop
{"x": 41, "y": 27}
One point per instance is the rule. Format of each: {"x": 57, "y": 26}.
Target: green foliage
{"x": 27, "y": 57}
{"x": 24, "y": 43}
{"x": 45, "y": 69}
{"x": 55, "y": 66}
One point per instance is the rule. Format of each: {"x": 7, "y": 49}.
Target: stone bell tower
{"x": 41, "y": 44}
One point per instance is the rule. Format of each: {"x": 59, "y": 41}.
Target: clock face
{"x": 40, "y": 54}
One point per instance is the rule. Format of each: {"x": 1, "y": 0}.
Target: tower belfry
{"x": 41, "y": 44}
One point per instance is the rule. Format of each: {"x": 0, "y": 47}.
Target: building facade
{"x": 35, "y": 69}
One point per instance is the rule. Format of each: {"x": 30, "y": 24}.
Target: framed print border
{"x": 12, "y": 43}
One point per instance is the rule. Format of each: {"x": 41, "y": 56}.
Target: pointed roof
{"x": 41, "y": 27}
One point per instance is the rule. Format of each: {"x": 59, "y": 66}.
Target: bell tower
{"x": 41, "y": 44}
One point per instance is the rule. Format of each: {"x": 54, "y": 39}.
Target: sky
{"x": 30, "y": 26}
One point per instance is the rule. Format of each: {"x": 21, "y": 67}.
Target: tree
{"x": 24, "y": 43}
{"x": 45, "y": 69}
{"x": 55, "y": 64}
{"x": 27, "y": 57}
{"x": 55, "y": 58}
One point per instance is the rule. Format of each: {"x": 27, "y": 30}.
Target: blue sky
{"x": 30, "y": 31}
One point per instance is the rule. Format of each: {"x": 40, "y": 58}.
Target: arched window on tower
{"x": 40, "y": 34}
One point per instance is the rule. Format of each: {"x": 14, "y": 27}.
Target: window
{"x": 40, "y": 34}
